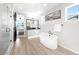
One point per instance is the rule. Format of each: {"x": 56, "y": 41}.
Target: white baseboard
{"x": 9, "y": 49}
{"x": 33, "y": 36}
{"x": 76, "y": 52}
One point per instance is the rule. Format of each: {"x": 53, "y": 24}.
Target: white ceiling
{"x": 33, "y": 8}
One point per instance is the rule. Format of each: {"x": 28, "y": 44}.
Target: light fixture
{"x": 39, "y": 12}
{"x": 20, "y": 8}
{"x": 30, "y": 14}
{"x": 34, "y": 14}
{"x": 44, "y": 5}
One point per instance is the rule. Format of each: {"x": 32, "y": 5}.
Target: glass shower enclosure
{"x": 5, "y": 29}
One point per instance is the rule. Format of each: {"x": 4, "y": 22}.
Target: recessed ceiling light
{"x": 45, "y": 5}
{"x": 20, "y": 8}
{"x": 33, "y": 14}
{"x": 39, "y": 12}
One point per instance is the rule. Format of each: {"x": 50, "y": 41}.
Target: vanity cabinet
{"x": 49, "y": 41}
{"x": 33, "y": 33}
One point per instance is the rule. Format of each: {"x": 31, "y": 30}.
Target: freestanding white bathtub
{"x": 49, "y": 41}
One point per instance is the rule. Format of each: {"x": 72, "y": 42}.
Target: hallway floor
{"x": 23, "y": 46}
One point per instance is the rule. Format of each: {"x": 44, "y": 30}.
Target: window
{"x": 72, "y": 12}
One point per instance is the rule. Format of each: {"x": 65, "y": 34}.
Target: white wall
{"x": 48, "y": 25}
{"x": 68, "y": 37}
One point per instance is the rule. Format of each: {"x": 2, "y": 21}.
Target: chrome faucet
{"x": 50, "y": 33}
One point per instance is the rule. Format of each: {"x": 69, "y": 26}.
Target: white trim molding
{"x": 74, "y": 51}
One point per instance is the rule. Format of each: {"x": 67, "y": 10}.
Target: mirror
{"x": 32, "y": 24}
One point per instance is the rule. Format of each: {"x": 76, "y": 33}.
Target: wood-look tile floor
{"x": 24, "y": 46}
